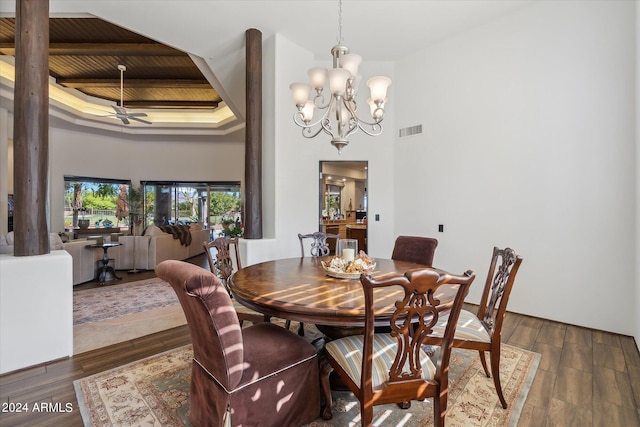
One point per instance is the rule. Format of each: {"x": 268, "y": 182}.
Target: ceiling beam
{"x": 102, "y": 49}
{"x": 135, "y": 83}
{"x": 171, "y": 104}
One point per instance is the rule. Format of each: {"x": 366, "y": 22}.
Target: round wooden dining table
{"x": 299, "y": 289}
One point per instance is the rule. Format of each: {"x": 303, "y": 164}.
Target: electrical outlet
{"x": 377, "y": 217}
{"x": 441, "y": 228}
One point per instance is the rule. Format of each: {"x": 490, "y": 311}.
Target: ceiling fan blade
{"x": 124, "y": 120}
{"x": 119, "y": 110}
{"x": 136, "y": 115}
{"x": 139, "y": 120}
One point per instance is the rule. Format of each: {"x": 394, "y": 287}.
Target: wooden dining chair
{"x": 415, "y": 249}
{"x": 319, "y": 245}
{"x": 482, "y": 331}
{"x": 381, "y": 368}
{"x": 223, "y": 265}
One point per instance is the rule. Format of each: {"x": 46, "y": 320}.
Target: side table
{"x": 106, "y": 273}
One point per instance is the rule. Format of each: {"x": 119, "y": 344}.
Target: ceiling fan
{"x": 121, "y": 112}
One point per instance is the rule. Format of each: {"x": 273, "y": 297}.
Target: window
{"x": 209, "y": 203}
{"x": 95, "y": 203}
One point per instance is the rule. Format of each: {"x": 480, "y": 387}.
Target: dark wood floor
{"x": 585, "y": 378}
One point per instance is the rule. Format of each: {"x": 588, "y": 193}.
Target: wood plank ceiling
{"x": 84, "y": 54}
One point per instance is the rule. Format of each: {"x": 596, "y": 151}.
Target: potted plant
{"x": 234, "y": 229}
{"x": 83, "y": 222}
{"x": 226, "y": 223}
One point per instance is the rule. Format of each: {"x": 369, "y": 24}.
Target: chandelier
{"x": 338, "y": 116}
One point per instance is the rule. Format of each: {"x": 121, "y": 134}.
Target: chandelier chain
{"x": 339, "y": 38}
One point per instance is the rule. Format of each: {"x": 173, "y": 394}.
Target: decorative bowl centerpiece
{"x": 342, "y": 268}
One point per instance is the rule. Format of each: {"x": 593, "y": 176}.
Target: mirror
{"x": 343, "y": 200}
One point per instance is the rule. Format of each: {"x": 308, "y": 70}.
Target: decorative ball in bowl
{"x": 342, "y": 269}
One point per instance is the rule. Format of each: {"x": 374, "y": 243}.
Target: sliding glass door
{"x": 208, "y": 203}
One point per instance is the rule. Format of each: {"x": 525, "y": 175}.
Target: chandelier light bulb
{"x": 318, "y": 77}
{"x": 338, "y": 80}
{"x": 307, "y": 111}
{"x": 351, "y": 62}
{"x": 300, "y": 93}
{"x": 378, "y": 86}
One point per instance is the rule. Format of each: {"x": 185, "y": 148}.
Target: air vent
{"x": 412, "y": 130}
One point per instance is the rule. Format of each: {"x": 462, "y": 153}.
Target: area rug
{"x": 97, "y": 304}
{"x": 114, "y": 314}
{"x": 155, "y": 392}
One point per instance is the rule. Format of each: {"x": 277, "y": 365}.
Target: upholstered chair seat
{"x": 347, "y": 352}
{"x": 469, "y": 327}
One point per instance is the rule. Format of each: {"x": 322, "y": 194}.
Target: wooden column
{"x": 253, "y": 144}
{"x": 31, "y": 128}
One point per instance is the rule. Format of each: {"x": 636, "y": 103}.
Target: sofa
{"x": 155, "y": 246}
{"x": 140, "y": 252}
{"x": 84, "y": 259}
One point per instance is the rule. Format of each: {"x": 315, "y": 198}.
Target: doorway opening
{"x": 343, "y": 200}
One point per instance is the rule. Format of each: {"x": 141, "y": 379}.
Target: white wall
{"x": 36, "y": 309}
{"x": 528, "y": 142}
{"x": 637, "y": 215}
{"x": 127, "y": 157}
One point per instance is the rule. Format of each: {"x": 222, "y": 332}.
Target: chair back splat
{"x": 382, "y": 368}
{"x": 319, "y": 245}
{"x": 241, "y": 376}
{"x": 223, "y": 266}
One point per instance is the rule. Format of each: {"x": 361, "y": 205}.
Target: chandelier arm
{"x": 297, "y": 118}
{"x": 309, "y": 134}
{"x": 318, "y": 99}
{"x": 323, "y": 124}
{"x": 376, "y": 129}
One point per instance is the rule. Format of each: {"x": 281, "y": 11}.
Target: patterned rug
{"x": 155, "y": 392}
{"x": 96, "y": 304}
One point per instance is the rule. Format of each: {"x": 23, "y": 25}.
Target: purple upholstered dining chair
{"x": 259, "y": 375}
{"x": 415, "y": 249}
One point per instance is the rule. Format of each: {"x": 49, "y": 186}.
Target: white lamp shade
{"x": 307, "y": 111}
{"x": 318, "y": 77}
{"x": 378, "y": 86}
{"x": 351, "y": 62}
{"x": 300, "y": 93}
{"x": 338, "y": 80}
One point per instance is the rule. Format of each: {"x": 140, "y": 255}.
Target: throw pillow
{"x": 55, "y": 242}
{"x": 9, "y": 238}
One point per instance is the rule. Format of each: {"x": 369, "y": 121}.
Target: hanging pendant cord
{"x": 339, "y": 38}
{"x": 121, "y": 87}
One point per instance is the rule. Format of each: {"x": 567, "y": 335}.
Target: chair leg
{"x": 301, "y": 329}
{"x": 325, "y": 371}
{"x": 495, "y": 370}
{"x": 287, "y": 324}
{"x": 439, "y": 409}
{"x": 484, "y": 363}
{"x": 366, "y": 415}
